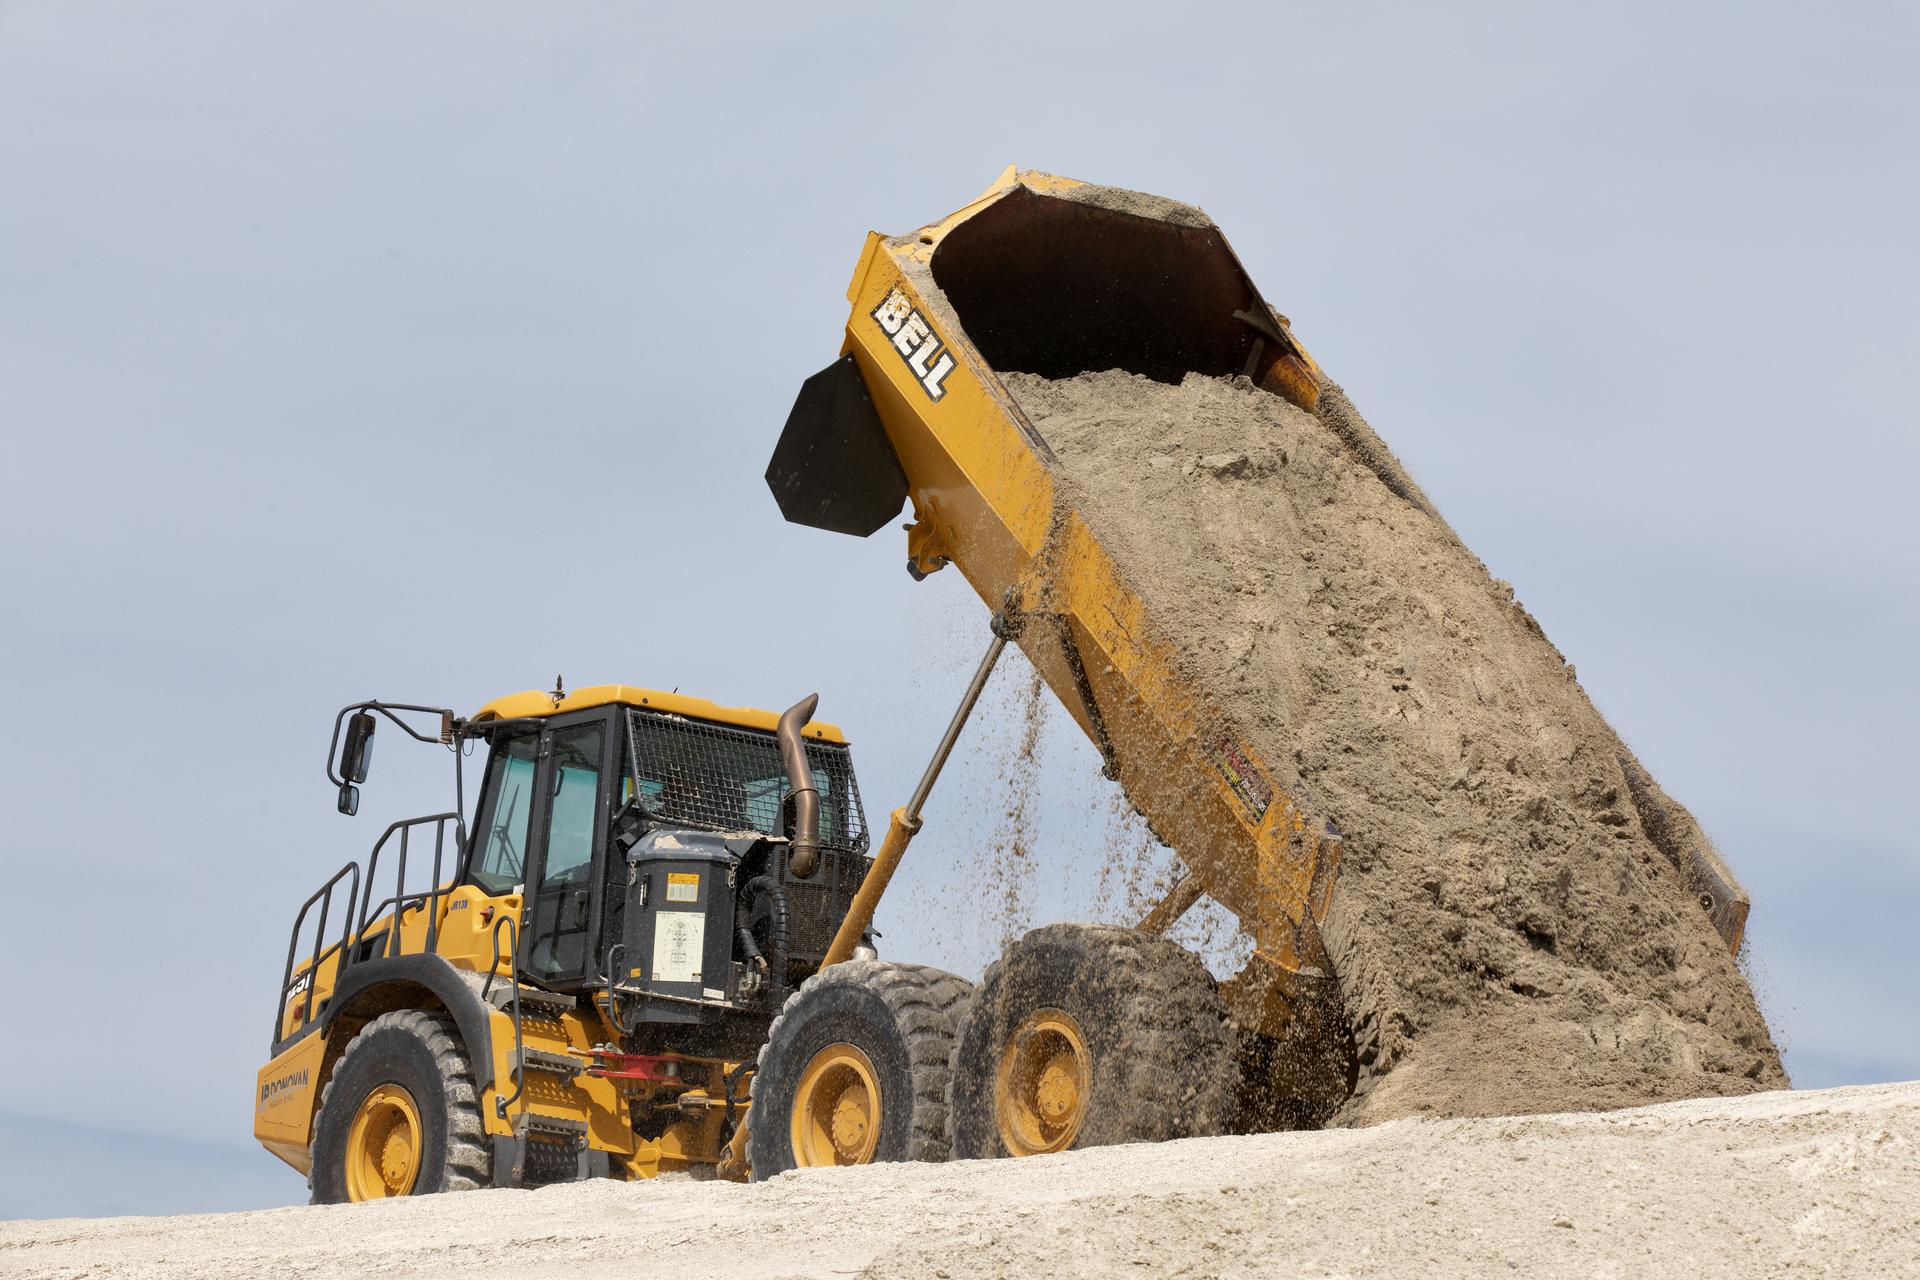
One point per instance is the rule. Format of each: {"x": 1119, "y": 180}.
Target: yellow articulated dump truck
{"x": 596, "y": 975}
{"x": 649, "y": 948}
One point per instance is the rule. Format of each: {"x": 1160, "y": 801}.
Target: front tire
{"x": 854, "y": 1070}
{"x": 400, "y": 1115}
{"x": 1089, "y": 1035}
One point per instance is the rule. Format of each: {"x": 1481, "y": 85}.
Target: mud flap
{"x": 509, "y": 1160}
{"x": 834, "y": 467}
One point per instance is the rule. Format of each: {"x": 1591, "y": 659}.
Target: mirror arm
{"x": 389, "y": 710}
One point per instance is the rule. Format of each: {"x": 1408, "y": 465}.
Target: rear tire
{"x": 860, "y": 1029}
{"x": 1089, "y": 1035}
{"x": 404, "y": 1084}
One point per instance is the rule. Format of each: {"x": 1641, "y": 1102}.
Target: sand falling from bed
{"x": 1509, "y": 935}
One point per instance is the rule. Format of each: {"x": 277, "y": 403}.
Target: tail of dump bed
{"x": 1042, "y": 275}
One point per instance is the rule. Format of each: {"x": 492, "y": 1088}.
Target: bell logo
{"x": 916, "y": 342}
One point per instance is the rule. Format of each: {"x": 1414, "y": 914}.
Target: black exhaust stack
{"x": 804, "y": 849}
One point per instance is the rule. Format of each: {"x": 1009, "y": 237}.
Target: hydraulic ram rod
{"x": 904, "y": 824}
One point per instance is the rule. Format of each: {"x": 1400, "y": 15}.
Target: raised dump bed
{"x": 1047, "y": 276}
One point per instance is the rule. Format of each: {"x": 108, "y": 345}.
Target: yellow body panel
{"x": 286, "y": 1094}
{"x": 981, "y": 483}
{"x": 532, "y": 702}
{"x": 465, "y": 941}
{"x": 598, "y": 1102}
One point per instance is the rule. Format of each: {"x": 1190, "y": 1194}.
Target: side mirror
{"x": 357, "y": 754}
{"x": 349, "y": 802}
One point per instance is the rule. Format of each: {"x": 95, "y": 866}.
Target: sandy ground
{"x": 1785, "y": 1183}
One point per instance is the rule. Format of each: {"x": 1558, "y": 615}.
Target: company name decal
{"x": 1252, "y": 790}
{"x": 916, "y": 342}
{"x": 273, "y": 1092}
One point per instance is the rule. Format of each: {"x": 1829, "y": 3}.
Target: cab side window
{"x": 576, "y": 792}
{"x": 506, "y": 807}
{"x": 558, "y": 944}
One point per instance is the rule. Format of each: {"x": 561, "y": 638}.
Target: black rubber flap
{"x": 834, "y": 467}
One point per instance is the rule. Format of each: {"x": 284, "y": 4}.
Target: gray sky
{"x": 426, "y": 351}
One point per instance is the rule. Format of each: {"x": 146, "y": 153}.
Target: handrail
{"x": 501, "y": 1104}
{"x": 361, "y": 912}
{"x": 324, "y": 896}
{"x": 400, "y": 896}
{"x": 610, "y": 969}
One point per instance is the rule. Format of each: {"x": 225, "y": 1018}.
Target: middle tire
{"x": 1088, "y": 1035}
{"x": 854, "y": 1070}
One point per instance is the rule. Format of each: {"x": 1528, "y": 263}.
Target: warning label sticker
{"x": 683, "y": 886}
{"x": 678, "y": 938}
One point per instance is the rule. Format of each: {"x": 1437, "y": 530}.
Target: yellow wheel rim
{"x": 836, "y": 1109}
{"x": 383, "y": 1147}
{"x": 1040, "y": 1091}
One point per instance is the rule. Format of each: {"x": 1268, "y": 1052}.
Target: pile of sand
{"x": 1509, "y": 934}
{"x": 1821, "y": 1183}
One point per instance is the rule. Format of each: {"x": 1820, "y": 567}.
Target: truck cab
{"x": 586, "y": 969}
{"x": 582, "y": 796}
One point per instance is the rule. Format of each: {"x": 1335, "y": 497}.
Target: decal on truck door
{"x": 275, "y": 1092}
{"x": 916, "y": 342}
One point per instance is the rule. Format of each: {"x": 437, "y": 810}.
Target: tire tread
{"x": 1171, "y": 1013}
{"x": 469, "y": 1163}
{"x": 927, "y": 1006}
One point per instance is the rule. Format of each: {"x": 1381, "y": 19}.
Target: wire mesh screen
{"x": 706, "y": 775}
